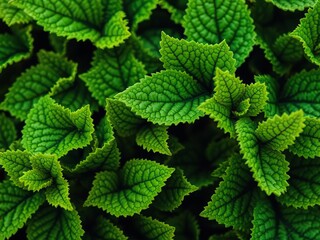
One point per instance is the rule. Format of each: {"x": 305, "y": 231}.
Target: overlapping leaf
{"x": 50, "y": 128}
{"x": 12, "y": 15}
{"x": 131, "y": 191}
{"x": 216, "y": 20}
{"x": 175, "y": 8}
{"x": 292, "y": 5}
{"x": 8, "y": 132}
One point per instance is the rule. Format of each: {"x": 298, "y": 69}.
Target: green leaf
{"x": 198, "y": 60}
{"x": 176, "y": 189}
{"x": 17, "y": 206}
{"x": 242, "y": 108}
{"x": 131, "y": 191}
{"x": 15, "y": 47}
{"x": 221, "y": 114}
{"x": 268, "y": 165}
{"x": 167, "y": 97}
{"x": 304, "y": 184}
{"x": 52, "y": 72}
{"x": 307, "y": 33}
{"x": 138, "y": 10}
{"x": 82, "y": 20}
{"x": 59, "y": 224}
{"x": 228, "y": 88}
{"x": 281, "y": 131}
{"x": 8, "y": 132}
{"x": 292, "y": 5}
{"x": 152, "y": 229}
{"x": 276, "y": 222}
{"x": 35, "y": 180}
{"x": 216, "y": 20}
{"x": 50, "y": 128}
{"x": 307, "y": 144}
{"x": 12, "y": 15}
{"x": 59, "y": 44}
{"x": 15, "y": 163}
{"x": 122, "y": 118}
{"x": 154, "y": 137}
{"x": 112, "y": 71}
{"x": 233, "y": 201}
{"x": 175, "y": 8}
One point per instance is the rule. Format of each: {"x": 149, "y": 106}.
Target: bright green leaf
{"x": 51, "y": 128}
{"x": 196, "y": 59}
{"x": 131, "y": 191}
{"x": 17, "y": 206}
{"x": 215, "y": 20}
{"x": 167, "y": 97}
{"x": 293, "y": 5}
{"x": 35, "y": 180}
{"x": 154, "y": 137}
{"x": 242, "y": 108}
{"x": 12, "y": 15}
{"x": 176, "y": 189}
{"x": 8, "y": 132}
{"x": 280, "y": 131}
{"x": 59, "y": 224}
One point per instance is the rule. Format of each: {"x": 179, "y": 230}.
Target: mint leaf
{"x": 175, "y": 8}
{"x": 59, "y": 224}
{"x": 167, "y": 97}
{"x": 82, "y": 20}
{"x": 52, "y": 72}
{"x": 12, "y": 15}
{"x": 8, "y": 132}
{"x": 112, "y": 71}
{"x": 292, "y": 5}
{"x": 35, "y": 180}
{"x": 131, "y": 191}
{"x": 198, "y": 60}
{"x": 213, "y": 21}
{"x": 50, "y": 128}
{"x": 17, "y": 206}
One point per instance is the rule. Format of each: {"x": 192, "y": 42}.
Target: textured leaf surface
{"x": 52, "y": 71}
{"x": 16, "y": 207}
{"x": 173, "y": 193}
{"x": 280, "y": 131}
{"x": 307, "y": 32}
{"x": 258, "y": 96}
{"x": 196, "y": 59}
{"x": 15, "y": 47}
{"x": 167, "y": 97}
{"x": 308, "y": 142}
{"x": 35, "y": 180}
{"x": 78, "y": 19}
{"x": 304, "y": 184}
{"x": 233, "y": 201}
{"x": 15, "y": 163}
{"x": 50, "y": 128}
{"x": 112, "y": 71}
{"x": 276, "y": 222}
{"x": 292, "y": 5}
{"x": 153, "y": 229}
{"x": 59, "y": 224}
{"x": 155, "y": 138}
{"x": 12, "y": 15}
{"x": 215, "y": 20}
{"x": 8, "y": 132}
{"x": 269, "y": 166}
{"x": 132, "y": 190}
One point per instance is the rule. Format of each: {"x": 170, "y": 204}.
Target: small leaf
{"x": 59, "y": 224}
{"x": 8, "y": 132}
{"x": 17, "y": 206}
{"x": 12, "y": 15}
{"x": 175, "y": 8}
{"x": 155, "y": 138}
{"x": 35, "y": 180}
{"x": 131, "y": 191}
{"x": 213, "y": 21}
{"x": 167, "y": 97}
{"x": 280, "y": 131}
{"x": 308, "y": 33}
{"x": 242, "y": 108}
{"x": 112, "y": 71}
{"x": 198, "y": 60}
{"x": 292, "y": 5}
{"x": 233, "y": 201}
{"x": 50, "y": 128}
{"x": 176, "y": 189}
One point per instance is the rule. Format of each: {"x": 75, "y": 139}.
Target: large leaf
{"x": 131, "y": 191}
{"x": 16, "y": 207}
{"x": 80, "y": 19}
{"x": 167, "y": 97}
{"x": 8, "y": 132}
{"x": 52, "y": 71}
{"x": 12, "y": 15}
{"x": 293, "y": 5}
{"x": 50, "y": 128}
{"x": 196, "y": 59}
{"x": 112, "y": 71}
{"x": 59, "y": 224}
{"x": 215, "y": 20}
